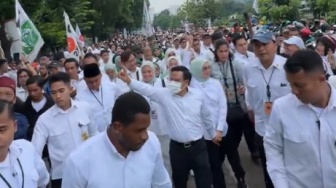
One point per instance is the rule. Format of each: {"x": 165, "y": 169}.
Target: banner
{"x": 31, "y": 40}
{"x": 73, "y": 47}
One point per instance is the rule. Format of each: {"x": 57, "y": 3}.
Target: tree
{"x": 95, "y": 18}
{"x": 163, "y": 19}
{"x": 197, "y": 11}
{"x": 285, "y": 10}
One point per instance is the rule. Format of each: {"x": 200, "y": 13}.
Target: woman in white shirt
{"x": 158, "y": 120}
{"x": 21, "y": 89}
{"x": 216, "y": 101}
{"x": 111, "y": 72}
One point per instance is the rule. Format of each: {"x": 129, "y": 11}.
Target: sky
{"x": 160, "y": 5}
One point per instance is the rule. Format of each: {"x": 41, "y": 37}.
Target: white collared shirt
{"x": 32, "y": 167}
{"x": 74, "y": 83}
{"x": 97, "y": 163}
{"x": 135, "y": 75}
{"x": 63, "y": 131}
{"x": 159, "y": 124}
{"x": 299, "y": 153}
{"x": 204, "y": 54}
{"x": 216, "y": 101}
{"x": 187, "y": 116}
{"x": 21, "y": 94}
{"x": 243, "y": 58}
{"x": 82, "y": 84}
{"x": 255, "y": 77}
{"x": 101, "y": 102}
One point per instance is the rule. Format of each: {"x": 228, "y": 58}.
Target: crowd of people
{"x": 143, "y": 112}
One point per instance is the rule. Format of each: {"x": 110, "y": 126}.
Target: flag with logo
{"x": 80, "y": 37}
{"x": 73, "y": 47}
{"x": 31, "y": 40}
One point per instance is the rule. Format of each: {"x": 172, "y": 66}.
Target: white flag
{"x": 31, "y": 40}
{"x": 80, "y": 37}
{"x": 73, "y": 47}
{"x": 255, "y": 6}
{"x": 147, "y": 23}
{"x": 125, "y": 33}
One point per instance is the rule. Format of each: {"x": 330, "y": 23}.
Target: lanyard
{"x": 137, "y": 75}
{"x": 224, "y": 71}
{"x": 22, "y": 174}
{"x": 101, "y": 96}
{"x": 268, "y": 90}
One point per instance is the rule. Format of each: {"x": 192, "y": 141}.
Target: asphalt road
{"x": 253, "y": 177}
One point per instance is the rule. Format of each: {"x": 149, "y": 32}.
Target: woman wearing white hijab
{"x": 171, "y": 62}
{"x": 111, "y": 71}
{"x": 169, "y": 53}
{"x": 158, "y": 119}
{"x": 215, "y": 99}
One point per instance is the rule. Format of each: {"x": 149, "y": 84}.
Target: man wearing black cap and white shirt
{"x": 265, "y": 81}
{"x": 100, "y": 95}
{"x": 63, "y": 127}
{"x": 90, "y": 58}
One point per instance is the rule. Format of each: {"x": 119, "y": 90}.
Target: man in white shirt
{"x": 100, "y": 95}
{"x": 129, "y": 61}
{"x": 241, "y": 53}
{"x": 265, "y": 81}
{"x": 71, "y": 66}
{"x": 20, "y": 165}
{"x": 188, "y": 117}
{"x": 105, "y": 58}
{"x": 90, "y": 58}
{"x": 300, "y": 138}
{"x": 63, "y": 127}
{"x": 125, "y": 155}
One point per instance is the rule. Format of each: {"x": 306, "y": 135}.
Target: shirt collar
{"x": 15, "y": 150}
{"x": 56, "y": 110}
{"x": 258, "y": 64}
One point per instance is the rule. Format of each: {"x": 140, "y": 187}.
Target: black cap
{"x": 91, "y": 70}
{"x": 53, "y": 65}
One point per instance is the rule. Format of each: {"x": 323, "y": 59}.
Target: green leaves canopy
{"x": 197, "y": 11}
{"x": 96, "y": 18}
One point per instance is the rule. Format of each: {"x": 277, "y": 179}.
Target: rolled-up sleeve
{"x": 273, "y": 143}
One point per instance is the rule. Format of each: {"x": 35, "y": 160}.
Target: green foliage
{"x": 284, "y": 11}
{"x": 95, "y": 17}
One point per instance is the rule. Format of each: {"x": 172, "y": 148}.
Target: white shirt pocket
{"x": 57, "y": 137}
{"x": 296, "y": 145}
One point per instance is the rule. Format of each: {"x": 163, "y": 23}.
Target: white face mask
{"x": 174, "y": 87}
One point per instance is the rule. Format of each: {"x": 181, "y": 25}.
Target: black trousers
{"x": 216, "y": 154}
{"x": 230, "y": 144}
{"x": 260, "y": 143}
{"x": 184, "y": 157}
{"x": 249, "y": 134}
{"x": 56, "y": 183}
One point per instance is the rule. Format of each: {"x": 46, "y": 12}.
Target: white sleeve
{"x": 72, "y": 177}
{"x": 273, "y": 143}
{"x": 156, "y": 94}
{"x": 221, "y": 123}
{"x": 41, "y": 170}
{"x": 161, "y": 177}
{"x": 40, "y": 135}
